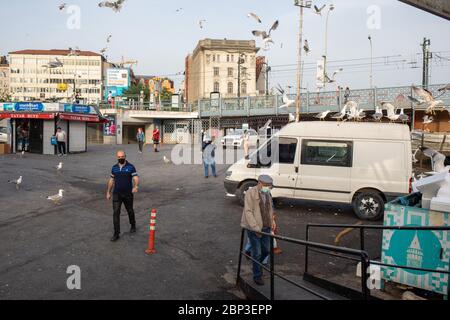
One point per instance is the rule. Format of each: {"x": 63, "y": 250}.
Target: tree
{"x": 166, "y": 95}
{"x": 135, "y": 90}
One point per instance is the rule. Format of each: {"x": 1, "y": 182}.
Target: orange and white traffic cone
{"x": 151, "y": 235}
{"x": 276, "y": 248}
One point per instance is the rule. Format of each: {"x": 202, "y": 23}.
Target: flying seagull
{"x": 115, "y": 5}
{"x": 428, "y": 100}
{"x": 62, "y": 6}
{"x": 179, "y": 10}
{"x": 445, "y": 88}
{"x": 201, "y": 23}
{"x": 306, "y": 46}
{"x": 108, "y": 40}
{"x": 266, "y": 36}
{"x": 427, "y": 119}
{"x": 254, "y": 16}
{"x": 53, "y": 64}
{"x": 318, "y": 10}
{"x": 73, "y": 52}
{"x": 57, "y": 197}
{"x": 103, "y": 50}
{"x": 286, "y": 101}
{"x": 17, "y": 182}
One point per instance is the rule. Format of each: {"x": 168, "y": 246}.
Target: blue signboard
{"x": 77, "y": 108}
{"x": 29, "y": 106}
{"x": 8, "y": 106}
{"x": 114, "y": 92}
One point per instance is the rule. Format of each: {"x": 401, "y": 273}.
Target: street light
{"x": 301, "y": 4}
{"x": 371, "y": 61}
{"x": 330, "y": 8}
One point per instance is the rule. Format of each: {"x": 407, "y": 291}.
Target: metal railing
{"x": 362, "y": 229}
{"x": 363, "y": 258}
{"x": 312, "y": 102}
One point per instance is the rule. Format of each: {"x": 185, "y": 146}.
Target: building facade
{"x": 214, "y": 66}
{"x": 79, "y": 76}
{"x": 4, "y": 79}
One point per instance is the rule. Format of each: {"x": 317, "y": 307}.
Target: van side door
{"x": 283, "y": 161}
{"x": 325, "y": 170}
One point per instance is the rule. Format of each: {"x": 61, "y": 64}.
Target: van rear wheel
{"x": 368, "y": 205}
{"x": 243, "y": 189}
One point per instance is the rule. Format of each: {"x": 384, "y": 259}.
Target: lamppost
{"x": 267, "y": 69}
{"x": 371, "y": 61}
{"x": 301, "y": 4}
{"x": 330, "y": 8}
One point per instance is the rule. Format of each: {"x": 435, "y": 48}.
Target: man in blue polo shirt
{"x": 125, "y": 181}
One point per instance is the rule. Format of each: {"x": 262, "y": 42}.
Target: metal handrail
{"x": 362, "y": 228}
{"x": 364, "y": 259}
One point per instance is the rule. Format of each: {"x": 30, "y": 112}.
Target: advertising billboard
{"x": 118, "y": 78}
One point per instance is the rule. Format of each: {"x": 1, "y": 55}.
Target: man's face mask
{"x": 265, "y": 189}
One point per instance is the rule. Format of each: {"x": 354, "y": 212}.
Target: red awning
{"x": 14, "y": 115}
{"x": 75, "y": 117}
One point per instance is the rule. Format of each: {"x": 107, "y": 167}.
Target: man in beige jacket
{"x": 258, "y": 217}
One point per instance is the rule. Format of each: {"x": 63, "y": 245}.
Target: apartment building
{"x": 80, "y": 75}
{"x": 4, "y": 78}
{"x": 214, "y": 66}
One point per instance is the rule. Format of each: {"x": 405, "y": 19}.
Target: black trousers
{"x": 127, "y": 200}
{"x": 61, "y": 147}
{"x": 141, "y": 145}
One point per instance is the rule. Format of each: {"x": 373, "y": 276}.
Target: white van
{"x": 360, "y": 163}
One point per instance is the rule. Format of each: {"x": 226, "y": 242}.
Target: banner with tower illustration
{"x": 423, "y": 249}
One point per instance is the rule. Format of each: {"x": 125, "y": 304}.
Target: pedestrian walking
{"x": 209, "y": 154}
{"x": 140, "y": 136}
{"x": 122, "y": 186}
{"x": 20, "y": 141}
{"x": 61, "y": 139}
{"x": 346, "y": 95}
{"x": 246, "y": 142}
{"x": 258, "y": 217}
{"x": 156, "y": 137}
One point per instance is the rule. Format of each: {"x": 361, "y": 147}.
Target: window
{"x": 218, "y": 58}
{"x": 287, "y": 148}
{"x": 228, "y": 58}
{"x": 230, "y": 88}
{"x": 216, "y": 87}
{"x": 214, "y": 58}
{"x": 232, "y": 58}
{"x": 230, "y": 72}
{"x": 327, "y": 153}
{"x": 244, "y": 72}
{"x": 216, "y": 71}
{"x": 244, "y": 88}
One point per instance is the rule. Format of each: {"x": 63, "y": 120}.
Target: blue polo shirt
{"x": 123, "y": 178}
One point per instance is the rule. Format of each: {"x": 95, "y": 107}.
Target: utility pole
{"x": 268, "y": 69}
{"x": 371, "y": 62}
{"x": 302, "y": 5}
{"x": 330, "y": 8}
{"x": 427, "y": 55}
{"x": 239, "y": 81}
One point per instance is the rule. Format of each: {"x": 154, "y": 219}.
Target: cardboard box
{"x": 5, "y": 148}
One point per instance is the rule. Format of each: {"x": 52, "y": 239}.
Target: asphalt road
{"x": 197, "y": 237}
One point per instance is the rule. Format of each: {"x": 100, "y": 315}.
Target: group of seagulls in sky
{"x": 54, "y": 198}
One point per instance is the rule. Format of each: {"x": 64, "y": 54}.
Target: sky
{"x": 159, "y": 38}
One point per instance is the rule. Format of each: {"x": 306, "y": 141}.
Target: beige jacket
{"x": 251, "y": 217}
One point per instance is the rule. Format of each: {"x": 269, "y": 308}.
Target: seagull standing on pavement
{"x": 57, "y": 197}
{"x": 59, "y": 167}
{"x": 17, "y": 182}
{"x": 167, "y": 160}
